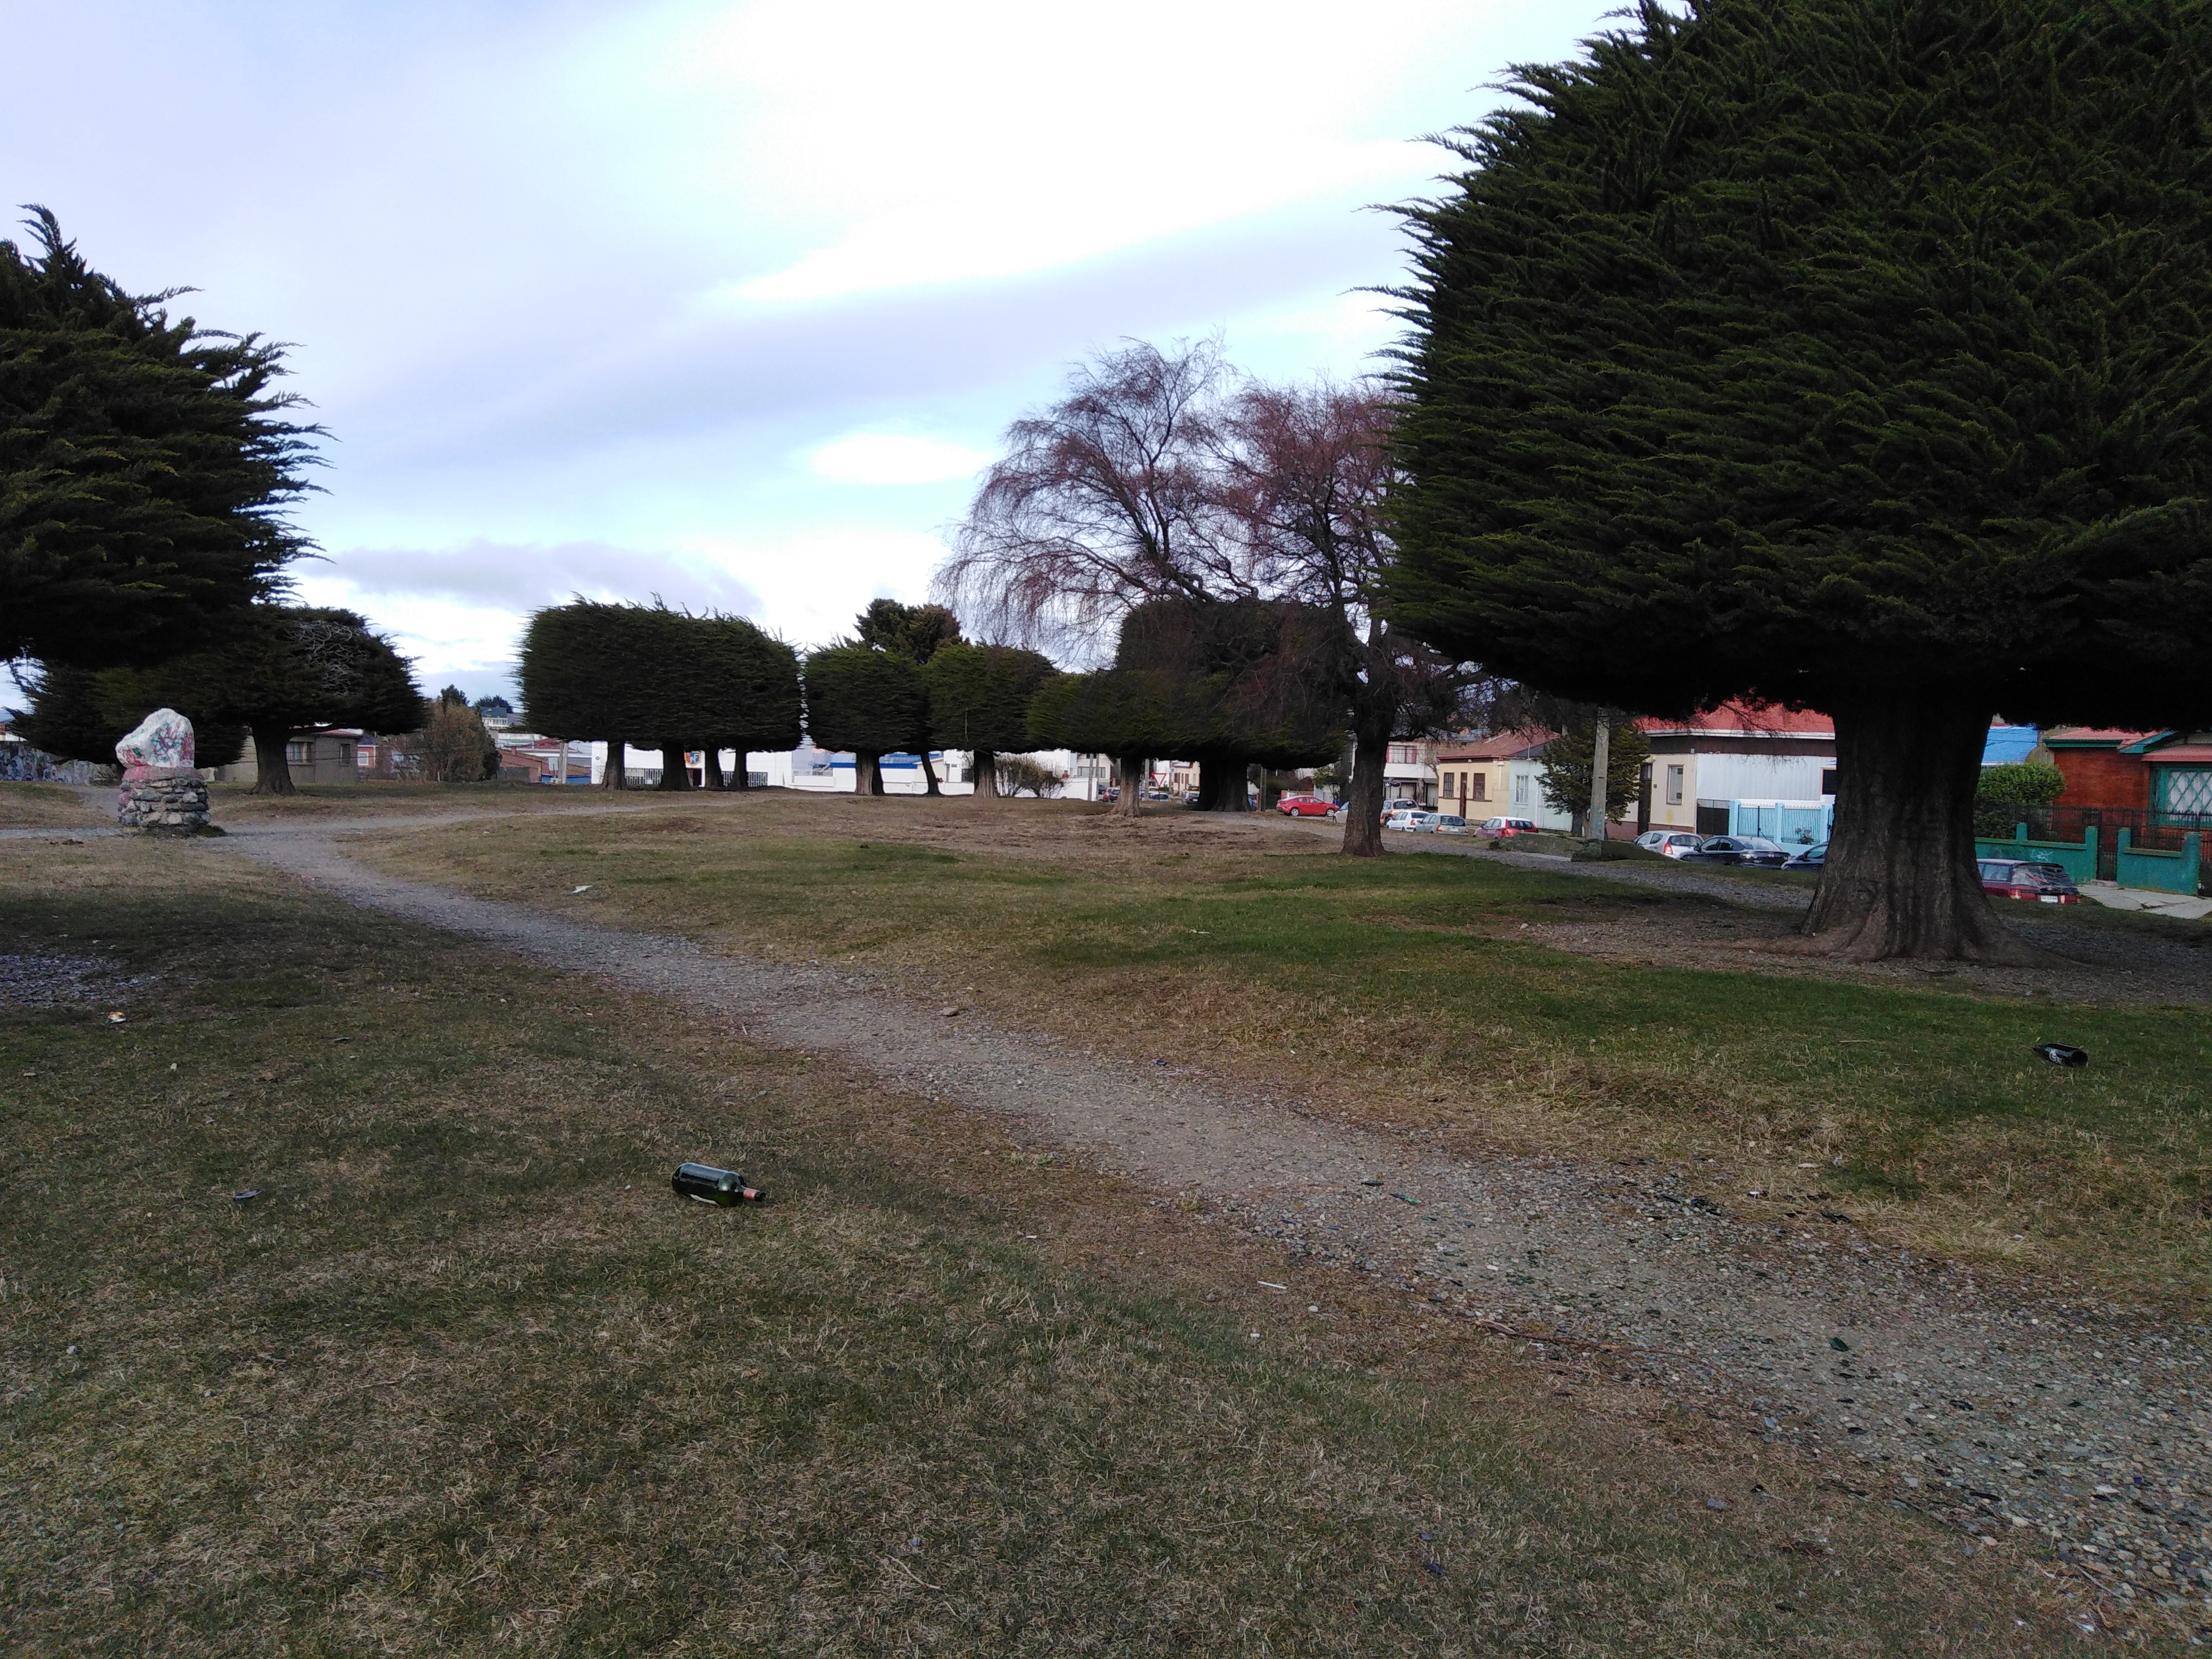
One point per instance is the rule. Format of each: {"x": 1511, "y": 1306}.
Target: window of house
{"x": 1827, "y": 780}
{"x": 297, "y": 753}
{"x": 1482, "y": 786}
{"x": 1521, "y": 790}
{"x": 1674, "y": 785}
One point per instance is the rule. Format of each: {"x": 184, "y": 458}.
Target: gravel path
{"x": 1991, "y": 1406}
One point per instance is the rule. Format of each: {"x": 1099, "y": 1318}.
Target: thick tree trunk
{"x": 985, "y": 765}
{"x": 1130, "y": 771}
{"x": 1373, "y": 716}
{"x": 713, "y": 756}
{"x": 929, "y": 775}
{"x": 1900, "y": 879}
{"x": 867, "y": 773}
{"x": 674, "y": 774}
{"x": 1221, "y": 781}
{"x": 272, "y": 773}
{"x": 617, "y": 774}
{"x": 740, "y": 776}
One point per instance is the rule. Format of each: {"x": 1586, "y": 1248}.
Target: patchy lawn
{"x": 465, "y": 1375}
{"x": 43, "y": 805}
{"x": 1488, "y": 1003}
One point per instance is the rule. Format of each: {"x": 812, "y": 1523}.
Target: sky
{"x": 727, "y": 303}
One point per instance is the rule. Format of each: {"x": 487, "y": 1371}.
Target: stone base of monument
{"x": 165, "y": 804}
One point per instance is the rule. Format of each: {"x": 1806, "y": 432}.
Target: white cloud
{"x": 890, "y": 458}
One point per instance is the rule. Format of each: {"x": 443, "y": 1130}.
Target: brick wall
{"x": 2102, "y": 777}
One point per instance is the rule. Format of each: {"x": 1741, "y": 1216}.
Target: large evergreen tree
{"x": 145, "y": 465}
{"x": 645, "y": 673}
{"x": 1847, "y": 354}
{"x": 279, "y": 671}
{"x": 915, "y": 632}
{"x": 288, "y": 669}
{"x": 979, "y": 701}
{"x": 82, "y": 714}
{"x": 872, "y": 702}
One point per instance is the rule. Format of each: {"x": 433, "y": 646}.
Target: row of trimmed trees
{"x": 1231, "y": 684}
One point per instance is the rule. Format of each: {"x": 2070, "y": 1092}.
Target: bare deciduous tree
{"x": 1307, "y": 473}
{"x": 1106, "y": 499}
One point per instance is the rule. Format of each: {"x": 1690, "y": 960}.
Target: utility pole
{"x": 1600, "y": 763}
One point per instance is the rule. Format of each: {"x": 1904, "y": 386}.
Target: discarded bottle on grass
{"x": 2060, "y": 1053}
{"x": 712, "y": 1186}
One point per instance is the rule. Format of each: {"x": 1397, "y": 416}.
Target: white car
{"x": 1669, "y": 843}
{"x": 1408, "y": 817}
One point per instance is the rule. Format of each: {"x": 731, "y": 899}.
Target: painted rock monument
{"x": 161, "y": 790}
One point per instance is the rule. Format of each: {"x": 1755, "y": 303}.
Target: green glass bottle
{"x": 712, "y": 1186}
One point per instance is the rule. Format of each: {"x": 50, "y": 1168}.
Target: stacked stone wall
{"x": 175, "y": 803}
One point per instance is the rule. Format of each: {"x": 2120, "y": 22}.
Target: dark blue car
{"x": 1750, "y": 851}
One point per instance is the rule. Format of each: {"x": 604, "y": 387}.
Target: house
{"x": 309, "y": 756}
{"x": 1743, "y": 769}
{"x": 2165, "y": 772}
{"x": 1499, "y": 776}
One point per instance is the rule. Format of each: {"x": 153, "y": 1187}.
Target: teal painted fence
{"x": 2078, "y": 859}
{"x": 2170, "y": 872}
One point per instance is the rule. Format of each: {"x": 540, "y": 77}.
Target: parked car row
{"x": 1742, "y": 852}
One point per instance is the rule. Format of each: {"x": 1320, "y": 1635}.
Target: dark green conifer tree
{"x": 979, "y": 701}
{"x": 1842, "y": 354}
{"x": 145, "y": 466}
{"x": 872, "y": 702}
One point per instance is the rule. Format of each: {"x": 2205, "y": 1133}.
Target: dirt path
{"x": 1992, "y": 1405}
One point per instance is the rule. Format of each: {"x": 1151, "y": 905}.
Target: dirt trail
{"x": 1990, "y": 1406}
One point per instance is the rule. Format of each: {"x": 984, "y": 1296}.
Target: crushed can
{"x": 2063, "y": 1054}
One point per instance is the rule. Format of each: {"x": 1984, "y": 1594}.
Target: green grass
{"x": 1399, "y": 987}
{"x": 466, "y": 1377}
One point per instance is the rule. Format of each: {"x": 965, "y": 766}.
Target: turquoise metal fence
{"x": 2078, "y": 859}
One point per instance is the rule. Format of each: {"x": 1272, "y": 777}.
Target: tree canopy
{"x": 650, "y": 674}
{"x": 979, "y": 700}
{"x": 1844, "y": 354}
{"x": 82, "y": 714}
{"x": 146, "y": 465}
{"x": 872, "y": 702}
{"x": 279, "y": 671}
{"x": 911, "y": 630}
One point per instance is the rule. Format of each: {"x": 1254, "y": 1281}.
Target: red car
{"x": 2040, "y": 884}
{"x": 1304, "y": 806}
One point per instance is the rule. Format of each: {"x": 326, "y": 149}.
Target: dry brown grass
{"x": 236, "y": 803}
{"x": 465, "y": 1376}
{"x": 1432, "y": 995}
{"x": 41, "y": 805}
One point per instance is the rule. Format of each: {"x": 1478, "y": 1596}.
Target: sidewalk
{"x": 2114, "y": 896}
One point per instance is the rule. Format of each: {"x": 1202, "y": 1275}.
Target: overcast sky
{"x": 725, "y": 302}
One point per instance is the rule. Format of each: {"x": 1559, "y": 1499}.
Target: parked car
{"x": 1407, "y": 817}
{"x": 1447, "y": 824}
{"x": 2045, "y": 883}
{"x": 1813, "y": 858}
{"x": 1747, "y": 851}
{"x": 1303, "y": 806}
{"x": 1504, "y": 828}
{"x": 1670, "y": 843}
